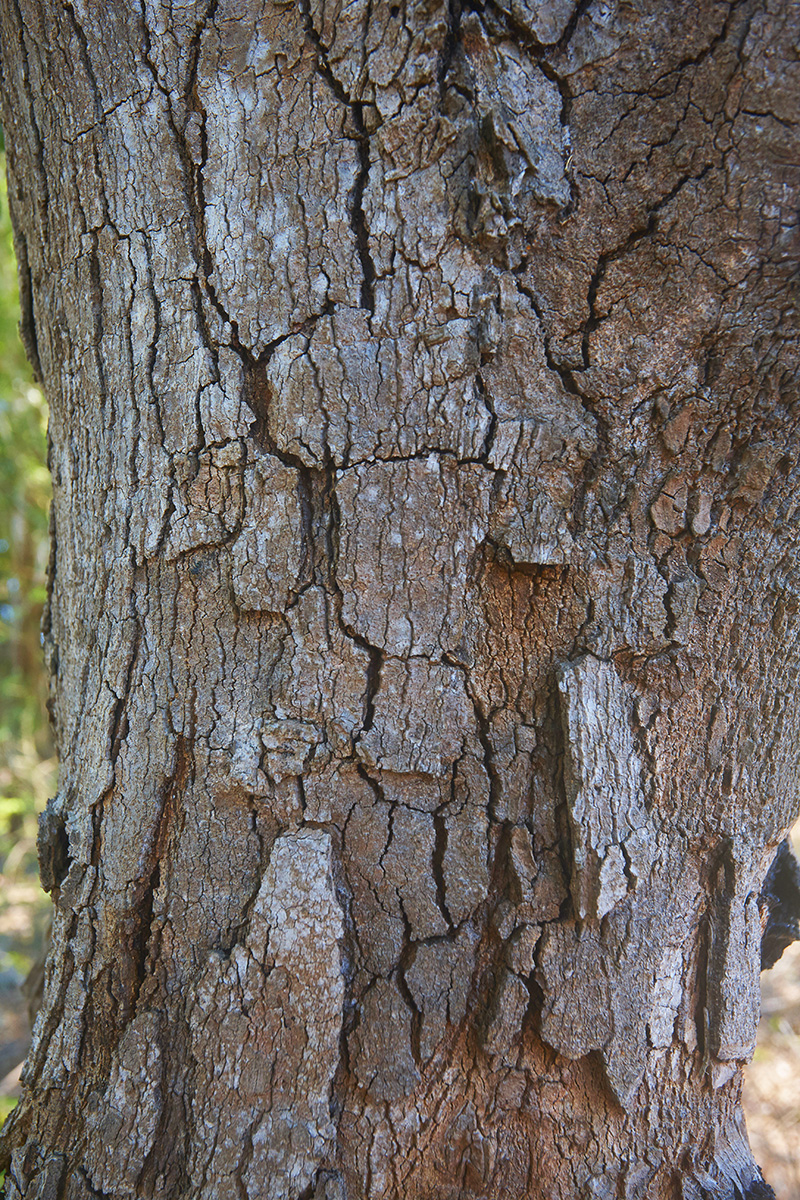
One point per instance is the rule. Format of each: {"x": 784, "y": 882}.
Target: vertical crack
{"x": 407, "y": 956}
{"x": 540, "y": 53}
{"x": 30, "y": 92}
{"x": 27, "y": 320}
{"x": 439, "y": 852}
{"x": 611, "y": 256}
{"x": 565, "y": 92}
{"x": 483, "y": 730}
{"x": 96, "y": 297}
{"x": 570, "y": 384}
{"x": 83, "y": 42}
{"x": 358, "y": 221}
{"x": 190, "y": 94}
{"x": 376, "y": 660}
{"x": 192, "y": 170}
{"x": 320, "y": 516}
{"x": 563, "y": 42}
{"x": 450, "y": 45}
{"x": 491, "y": 428}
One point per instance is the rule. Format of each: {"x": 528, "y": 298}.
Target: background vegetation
{"x": 27, "y": 762}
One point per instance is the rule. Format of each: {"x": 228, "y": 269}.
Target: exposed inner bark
{"x": 424, "y": 612}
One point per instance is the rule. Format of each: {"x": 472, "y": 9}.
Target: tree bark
{"x": 424, "y": 594}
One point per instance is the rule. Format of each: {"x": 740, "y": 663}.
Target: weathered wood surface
{"x": 424, "y": 616}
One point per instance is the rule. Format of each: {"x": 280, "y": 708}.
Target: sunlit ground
{"x": 772, "y": 1081}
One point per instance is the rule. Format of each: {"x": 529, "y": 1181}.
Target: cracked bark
{"x": 424, "y": 612}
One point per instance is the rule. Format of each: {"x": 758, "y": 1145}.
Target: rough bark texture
{"x": 425, "y": 604}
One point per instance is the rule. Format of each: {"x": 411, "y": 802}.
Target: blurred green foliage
{"x": 27, "y": 762}
{"x": 27, "y": 765}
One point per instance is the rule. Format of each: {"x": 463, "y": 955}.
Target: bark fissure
{"x": 39, "y": 164}
{"x": 358, "y": 220}
{"x": 27, "y": 322}
{"x": 647, "y": 230}
{"x": 86, "y": 60}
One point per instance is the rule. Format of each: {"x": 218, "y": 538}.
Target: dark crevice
{"x": 307, "y": 490}
{"x": 624, "y": 248}
{"x": 563, "y": 819}
{"x": 570, "y": 384}
{"x": 451, "y": 41}
{"x": 779, "y": 904}
{"x": 139, "y": 920}
{"x": 30, "y": 93}
{"x": 195, "y": 46}
{"x": 491, "y": 429}
{"x": 375, "y": 665}
{"x": 52, "y": 846}
{"x": 424, "y": 455}
{"x": 695, "y": 60}
{"x": 569, "y": 378}
{"x": 322, "y": 51}
{"x": 350, "y": 955}
{"x": 565, "y": 374}
{"x": 483, "y": 730}
{"x": 438, "y": 857}
{"x": 376, "y": 661}
{"x": 152, "y": 349}
{"x": 500, "y": 23}
{"x": 407, "y": 956}
{"x": 320, "y": 520}
{"x": 310, "y": 1191}
{"x": 192, "y": 170}
{"x": 95, "y": 1193}
{"x": 580, "y": 9}
{"x": 82, "y": 40}
{"x": 320, "y": 1181}
{"x": 373, "y": 785}
{"x": 236, "y": 935}
{"x": 96, "y": 297}
{"x": 701, "y": 1013}
{"x": 27, "y": 321}
{"x": 358, "y": 221}
{"x": 257, "y": 395}
{"x": 119, "y": 721}
{"x": 326, "y": 577}
{"x": 141, "y": 940}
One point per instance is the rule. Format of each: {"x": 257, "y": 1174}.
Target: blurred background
{"x": 772, "y": 1081}
{"x": 28, "y": 769}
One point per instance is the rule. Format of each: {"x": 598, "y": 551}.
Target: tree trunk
{"x": 425, "y": 605}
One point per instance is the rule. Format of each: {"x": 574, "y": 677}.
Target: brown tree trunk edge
{"x": 424, "y": 595}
